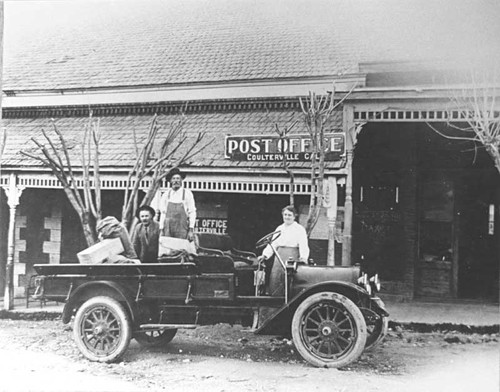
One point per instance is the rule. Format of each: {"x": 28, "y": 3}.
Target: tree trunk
{"x": 292, "y": 186}
{"x": 495, "y": 155}
{"x": 88, "y": 231}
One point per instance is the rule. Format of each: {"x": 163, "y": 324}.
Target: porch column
{"x": 13, "y": 192}
{"x": 331, "y": 213}
{"x": 349, "y": 129}
{"x": 352, "y": 130}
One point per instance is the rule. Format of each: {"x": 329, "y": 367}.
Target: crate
{"x": 168, "y": 245}
{"x": 100, "y": 251}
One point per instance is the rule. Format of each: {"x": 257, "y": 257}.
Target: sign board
{"x": 211, "y": 225}
{"x": 271, "y": 148}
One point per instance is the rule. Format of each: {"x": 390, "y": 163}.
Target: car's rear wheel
{"x": 329, "y": 330}
{"x": 102, "y": 329}
{"x": 155, "y": 338}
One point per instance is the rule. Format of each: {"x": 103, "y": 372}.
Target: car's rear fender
{"x": 99, "y": 288}
{"x": 279, "y": 323}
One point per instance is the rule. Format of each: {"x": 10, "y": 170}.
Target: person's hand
{"x": 190, "y": 235}
{"x": 261, "y": 258}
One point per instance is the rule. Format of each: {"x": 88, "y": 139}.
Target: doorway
{"x": 478, "y": 236}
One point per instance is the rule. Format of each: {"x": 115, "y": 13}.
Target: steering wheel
{"x": 267, "y": 239}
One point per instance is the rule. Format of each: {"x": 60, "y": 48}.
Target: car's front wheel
{"x": 377, "y": 326}
{"x": 102, "y": 329}
{"x": 329, "y": 330}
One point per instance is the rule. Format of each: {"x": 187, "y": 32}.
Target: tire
{"x": 157, "y": 338}
{"x": 376, "y": 331}
{"x": 102, "y": 329}
{"x": 329, "y": 330}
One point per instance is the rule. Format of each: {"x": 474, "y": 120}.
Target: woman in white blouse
{"x": 291, "y": 244}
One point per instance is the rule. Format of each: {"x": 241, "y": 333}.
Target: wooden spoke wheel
{"x": 102, "y": 329}
{"x": 329, "y": 330}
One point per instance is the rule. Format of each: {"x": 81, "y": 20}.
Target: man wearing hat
{"x": 145, "y": 237}
{"x": 177, "y": 208}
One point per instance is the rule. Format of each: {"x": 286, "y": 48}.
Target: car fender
{"x": 99, "y": 288}
{"x": 279, "y": 322}
{"x": 378, "y": 306}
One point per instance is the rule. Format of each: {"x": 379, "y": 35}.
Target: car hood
{"x": 308, "y": 275}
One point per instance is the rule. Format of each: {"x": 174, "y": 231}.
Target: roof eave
{"x": 269, "y": 88}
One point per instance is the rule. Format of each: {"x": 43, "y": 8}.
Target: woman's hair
{"x": 291, "y": 209}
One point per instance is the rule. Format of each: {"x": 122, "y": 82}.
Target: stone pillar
{"x": 53, "y": 223}
{"x": 20, "y": 246}
{"x": 13, "y": 192}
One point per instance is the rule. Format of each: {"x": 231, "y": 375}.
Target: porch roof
{"x": 117, "y": 149}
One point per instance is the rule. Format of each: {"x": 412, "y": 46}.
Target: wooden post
{"x": 350, "y": 130}
{"x": 331, "y": 213}
{"x": 13, "y": 194}
{"x": 1, "y": 55}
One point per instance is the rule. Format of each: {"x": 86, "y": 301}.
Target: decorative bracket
{"x": 13, "y": 192}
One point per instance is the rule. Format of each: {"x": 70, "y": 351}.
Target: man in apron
{"x": 177, "y": 209}
{"x": 291, "y": 244}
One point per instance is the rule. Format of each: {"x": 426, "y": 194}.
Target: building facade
{"x": 400, "y": 199}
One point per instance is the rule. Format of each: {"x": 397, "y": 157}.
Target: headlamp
{"x": 375, "y": 281}
{"x": 363, "y": 281}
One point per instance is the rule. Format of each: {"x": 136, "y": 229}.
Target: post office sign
{"x": 271, "y": 148}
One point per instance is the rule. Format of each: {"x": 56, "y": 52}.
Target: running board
{"x": 167, "y": 326}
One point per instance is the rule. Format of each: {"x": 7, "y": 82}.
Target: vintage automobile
{"x": 331, "y": 313}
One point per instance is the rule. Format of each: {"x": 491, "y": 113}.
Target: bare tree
{"x": 151, "y": 163}
{"x": 317, "y": 113}
{"x": 175, "y": 149}
{"x": 283, "y": 134}
{"x": 477, "y": 107}
{"x": 55, "y": 154}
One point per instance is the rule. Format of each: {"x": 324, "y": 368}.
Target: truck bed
{"x": 117, "y": 269}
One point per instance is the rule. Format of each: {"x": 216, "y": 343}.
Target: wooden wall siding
{"x": 434, "y": 279}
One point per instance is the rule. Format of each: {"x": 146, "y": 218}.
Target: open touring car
{"x": 331, "y": 313}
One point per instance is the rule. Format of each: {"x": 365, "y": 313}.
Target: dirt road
{"x": 41, "y": 356}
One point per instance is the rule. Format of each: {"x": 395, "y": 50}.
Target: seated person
{"x": 145, "y": 237}
{"x": 291, "y": 244}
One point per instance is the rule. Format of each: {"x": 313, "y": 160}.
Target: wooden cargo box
{"x": 100, "y": 251}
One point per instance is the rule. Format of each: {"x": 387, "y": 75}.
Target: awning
{"x": 118, "y": 132}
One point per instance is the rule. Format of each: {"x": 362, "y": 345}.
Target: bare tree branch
{"x": 317, "y": 112}
{"x": 155, "y": 167}
{"x": 477, "y": 106}
{"x": 283, "y": 135}
{"x": 97, "y": 176}
{"x": 62, "y": 169}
